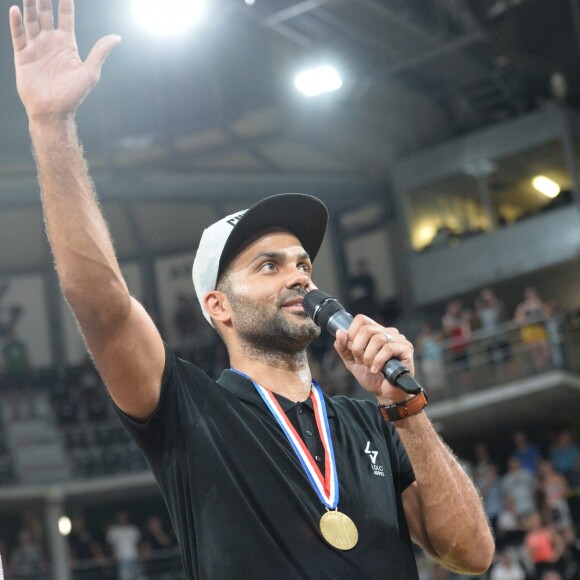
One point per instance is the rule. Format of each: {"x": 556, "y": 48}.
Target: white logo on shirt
{"x": 371, "y": 454}
{"x": 377, "y": 469}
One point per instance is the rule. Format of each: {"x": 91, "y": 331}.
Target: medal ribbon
{"x": 326, "y": 487}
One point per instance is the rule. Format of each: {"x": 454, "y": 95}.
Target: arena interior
{"x": 448, "y": 153}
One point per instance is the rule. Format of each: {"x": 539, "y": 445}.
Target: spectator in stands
{"x": 27, "y": 558}
{"x": 84, "y": 548}
{"x": 564, "y": 453}
{"x": 555, "y": 323}
{"x": 520, "y": 485}
{"x": 544, "y": 545}
{"x": 18, "y": 375}
{"x": 491, "y": 315}
{"x": 155, "y": 537}
{"x": 362, "y": 294}
{"x": 507, "y": 567}
{"x": 9, "y": 321}
{"x": 555, "y": 490}
{"x": 16, "y": 359}
{"x": 124, "y": 538}
{"x": 155, "y": 541}
{"x": 457, "y": 329}
{"x": 528, "y": 453}
{"x": 509, "y": 528}
{"x": 488, "y": 483}
{"x": 482, "y": 457}
{"x": 429, "y": 348}
{"x": 531, "y": 314}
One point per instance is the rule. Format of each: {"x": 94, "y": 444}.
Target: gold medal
{"x": 338, "y": 530}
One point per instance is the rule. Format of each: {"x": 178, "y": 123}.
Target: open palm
{"x": 50, "y": 75}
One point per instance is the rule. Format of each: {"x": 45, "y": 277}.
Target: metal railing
{"x": 161, "y": 565}
{"x": 486, "y": 359}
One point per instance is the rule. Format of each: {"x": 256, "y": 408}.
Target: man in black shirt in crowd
{"x": 263, "y": 475}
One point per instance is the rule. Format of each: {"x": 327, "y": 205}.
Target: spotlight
{"x": 546, "y": 186}
{"x": 313, "y": 82}
{"x": 64, "y": 526}
{"x": 167, "y": 17}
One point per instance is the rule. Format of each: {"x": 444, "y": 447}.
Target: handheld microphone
{"x": 328, "y": 313}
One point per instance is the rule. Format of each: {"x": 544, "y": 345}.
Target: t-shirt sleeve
{"x": 183, "y": 391}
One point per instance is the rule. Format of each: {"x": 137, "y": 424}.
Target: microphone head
{"x": 320, "y": 306}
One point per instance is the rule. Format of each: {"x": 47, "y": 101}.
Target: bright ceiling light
{"x": 167, "y": 17}
{"x": 313, "y": 82}
{"x": 64, "y": 525}
{"x": 546, "y": 186}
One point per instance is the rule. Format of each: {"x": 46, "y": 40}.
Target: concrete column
{"x": 58, "y": 545}
{"x": 52, "y": 295}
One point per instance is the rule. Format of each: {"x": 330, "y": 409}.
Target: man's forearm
{"x": 85, "y": 258}
{"x": 453, "y": 517}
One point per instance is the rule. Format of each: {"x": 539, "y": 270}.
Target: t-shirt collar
{"x": 245, "y": 390}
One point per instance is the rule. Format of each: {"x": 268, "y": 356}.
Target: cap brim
{"x": 303, "y": 215}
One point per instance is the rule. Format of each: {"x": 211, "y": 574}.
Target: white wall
{"x": 27, "y": 291}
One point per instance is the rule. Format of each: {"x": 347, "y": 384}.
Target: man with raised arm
{"x": 264, "y": 476}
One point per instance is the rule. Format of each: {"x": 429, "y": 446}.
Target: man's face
{"x": 265, "y": 285}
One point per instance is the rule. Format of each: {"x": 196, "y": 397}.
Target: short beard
{"x": 266, "y": 333}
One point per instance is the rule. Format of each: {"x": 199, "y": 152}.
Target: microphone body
{"x": 330, "y": 315}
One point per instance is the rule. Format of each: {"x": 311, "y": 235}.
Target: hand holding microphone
{"x": 331, "y": 316}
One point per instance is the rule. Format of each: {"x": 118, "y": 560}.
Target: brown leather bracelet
{"x": 399, "y": 411}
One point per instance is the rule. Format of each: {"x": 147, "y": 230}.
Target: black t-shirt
{"x": 240, "y": 503}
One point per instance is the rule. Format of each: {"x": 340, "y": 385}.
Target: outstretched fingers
{"x": 17, "y": 29}
{"x": 31, "y": 23}
{"x": 45, "y": 15}
{"x": 66, "y": 15}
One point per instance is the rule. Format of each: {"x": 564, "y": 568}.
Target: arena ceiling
{"x": 180, "y": 130}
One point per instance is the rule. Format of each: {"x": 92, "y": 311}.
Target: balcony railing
{"x": 161, "y": 565}
{"x": 486, "y": 359}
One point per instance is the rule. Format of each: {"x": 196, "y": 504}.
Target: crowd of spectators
{"x": 119, "y": 549}
{"x": 531, "y": 492}
{"x": 487, "y": 335}
{"x": 533, "y": 505}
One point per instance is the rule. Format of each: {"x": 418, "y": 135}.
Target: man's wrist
{"x": 52, "y": 121}
{"x": 404, "y": 409}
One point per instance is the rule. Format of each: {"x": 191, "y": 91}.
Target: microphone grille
{"x": 320, "y": 306}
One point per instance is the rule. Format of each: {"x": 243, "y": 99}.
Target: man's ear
{"x": 217, "y": 305}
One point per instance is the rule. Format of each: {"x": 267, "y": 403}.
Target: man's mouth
{"x": 295, "y": 304}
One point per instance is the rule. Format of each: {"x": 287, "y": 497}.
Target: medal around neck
{"x": 336, "y": 528}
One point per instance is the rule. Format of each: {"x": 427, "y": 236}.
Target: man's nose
{"x": 299, "y": 278}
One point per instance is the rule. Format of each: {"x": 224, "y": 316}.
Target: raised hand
{"x": 51, "y": 78}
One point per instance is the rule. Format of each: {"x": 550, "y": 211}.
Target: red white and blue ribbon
{"x": 325, "y": 486}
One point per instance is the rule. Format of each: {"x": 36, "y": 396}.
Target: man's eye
{"x": 305, "y": 268}
{"x": 268, "y": 266}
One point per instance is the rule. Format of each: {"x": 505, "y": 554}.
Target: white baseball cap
{"x": 303, "y": 215}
